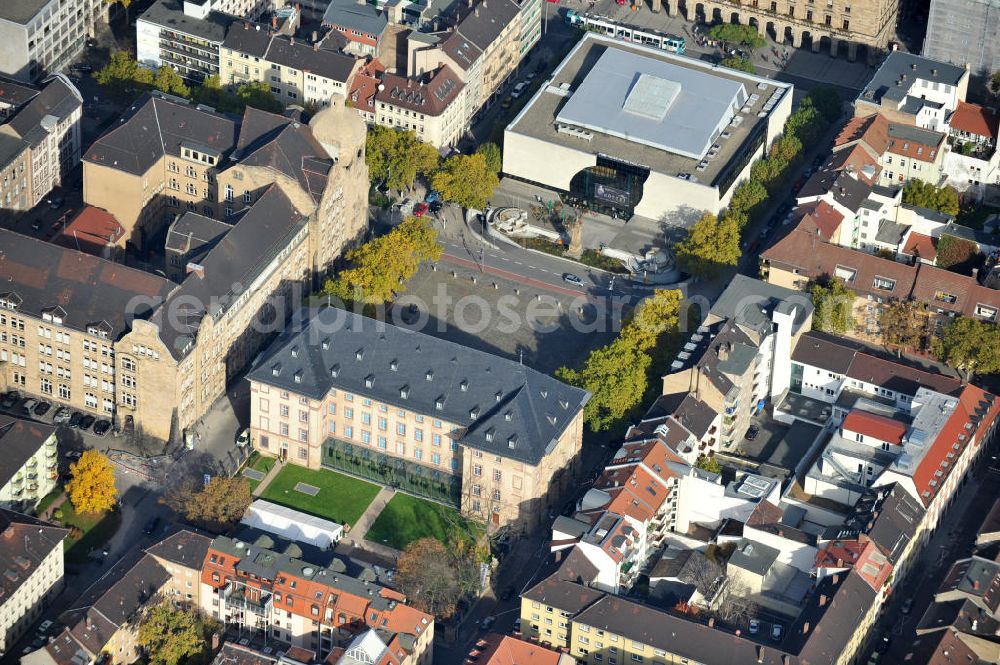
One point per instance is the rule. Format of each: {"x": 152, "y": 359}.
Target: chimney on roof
{"x": 711, "y": 622}
{"x": 975, "y": 584}
{"x": 822, "y": 596}
{"x": 805, "y": 627}
{"x": 196, "y": 268}
{"x": 274, "y": 22}
{"x": 291, "y": 40}
{"x": 315, "y": 37}
{"x": 840, "y": 563}
{"x": 316, "y": 46}
{"x": 836, "y": 578}
{"x": 975, "y": 274}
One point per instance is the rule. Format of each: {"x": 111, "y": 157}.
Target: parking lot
{"x": 541, "y": 326}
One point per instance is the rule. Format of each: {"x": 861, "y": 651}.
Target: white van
{"x": 519, "y": 89}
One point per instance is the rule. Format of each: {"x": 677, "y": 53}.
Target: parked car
{"x": 435, "y": 207}
{"x": 243, "y": 438}
{"x": 101, "y": 427}
{"x": 10, "y": 399}
{"x": 487, "y": 622}
{"x": 432, "y": 197}
{"x": 61, "y": 416}
{"x": 44, "y": 627}
{"x": 506, "y": 103}
{"x": 754, "y": 626}
{"x": 82, "y": 67}
{"x": 752, "y": 433}
{"x": 55, "y": 202}
{"x": 572, "y": 279}
{"x": 151, "y": 525}
{"x": 907, "y": 605}
{"x": 776, "y": 632}
{"x": 73, "y": 454}
{"x": 519, "y": 89}
{"x": 29, "y": 404}
{"x": 87, "y": 421}
{"x": 41, "y": 408}
{"x": 36, "y": 225}
{"x": 517, "y": 626}
{"x": 419, "y": 209}
{"x": 74, "y": 420}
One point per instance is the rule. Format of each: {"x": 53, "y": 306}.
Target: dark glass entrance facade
{"x": 612, "y": 187}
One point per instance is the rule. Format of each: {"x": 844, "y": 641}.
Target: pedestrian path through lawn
{"x": 339, "y": 498}
{"x": 406, "y": 518}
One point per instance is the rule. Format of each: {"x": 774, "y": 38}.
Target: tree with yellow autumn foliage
{"x": 92, "y": 486}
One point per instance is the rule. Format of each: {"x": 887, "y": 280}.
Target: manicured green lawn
{"x": 406, "y": 518}
{"x": 95, "y": 530}
{"x": 260, "y": 463}
{"x": 341, "y": 498}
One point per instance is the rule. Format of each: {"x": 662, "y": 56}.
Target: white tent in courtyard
{"x": 292, "y": 524}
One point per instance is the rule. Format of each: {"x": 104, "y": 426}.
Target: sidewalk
{"x": 356, "y": 537}
{"x": 268, "y": 477}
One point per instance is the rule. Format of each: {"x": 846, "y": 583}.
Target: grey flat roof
{"x": 538, "y": 119}
{"x": 170, "y": 14}
{"x": 498, "y": 405}
{"x": 654, "y": 102}
{"x": 354, "y": 16}
{"x": 21, "y": 11}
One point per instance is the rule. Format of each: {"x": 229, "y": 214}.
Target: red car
{"x": 419, "y": 209}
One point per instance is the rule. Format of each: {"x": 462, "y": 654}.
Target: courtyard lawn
{"x": 89, "y": 531}
{"x": 260, "y": 463}
{"x": 406, "y": 518}
{"x": 341, "y": 498}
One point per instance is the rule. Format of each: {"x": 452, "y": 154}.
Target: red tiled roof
{"x": 430, "y": 96}
{"x": 872, "y": 129}
{"x": 873, "y": 567}
{"x": 854, "y": 159}
{"x": 839, "y": 554}
{"x": 917, "y": 244}
{"x": 974, "y": 119}
{"x": 953, "y": 437}
{"x": 875, "y": 426}
{"x": 507, "y": 650}
{"x": 825, "y": 218}
{"x": 93, "y": 228}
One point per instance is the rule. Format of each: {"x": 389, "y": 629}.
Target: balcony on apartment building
{"x": 239, "y": 596}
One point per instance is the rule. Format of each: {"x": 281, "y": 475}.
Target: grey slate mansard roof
{"x": 90, "y": 290}
{"x": 500, "y": 406}
{"x": 229, "y": 268}
{"x": 154, "y": 126}
{"x": 883, "y": 83}
{"x": 59, "y": 99}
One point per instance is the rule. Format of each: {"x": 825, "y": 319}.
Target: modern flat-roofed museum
{"x": 632, "y": 129}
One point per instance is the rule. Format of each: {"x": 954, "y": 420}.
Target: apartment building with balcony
{"x": 30, "y": 466}
{"x": 31, "y": 554}
{"x": 39, "y": 37}
{"x": 913, "y": 90}
{"x": 483, "y": 44}
{"x": 296, "y": 71}
{"x": 50, "y": 124}
{"x": 501, "y": 439}
{"x": 182, "y": 34}
{"x": 61, "y": 313}
{"x": 308, "y": 606}
{"x": 735, "y": 362}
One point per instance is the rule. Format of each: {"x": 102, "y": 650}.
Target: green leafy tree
{"x": 653, "y": 317}
{"x": 970, "y": 345}
{"x": 747, "y": 195}
{"x": 170, "y": 82}
{"x": 957, "y": 254}
{"x": 710, "y": 245}
{"x": 120, "y": 73}
{"x": 732, "y": 33}
{"x": 739, "y": 64}
{"x": 901, "y": 324}
{"x": 466, "y": 180}
{"x": 398, "y": 157}
{"x": 827, "y": 101}
{"x": 380, "y": 268}
{"x": 258, "y": 95}
{"x": 615, "y": 375}
{"x": 993, "y": 85}
{"x": 786, "y": 149}
{"x": 709, "y": 464}
{"x": 806, "y": 124}
{"x": 925, "y": 195}
{"x": 172, "y": 635}
{"x": 832, "y": 306}
{"x": 493, "y": 155}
